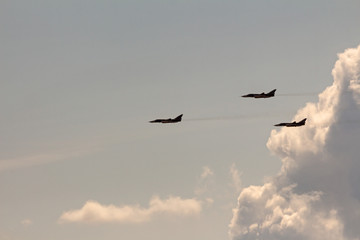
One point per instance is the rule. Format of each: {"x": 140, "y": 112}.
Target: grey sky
{"x": 81, "y": 79}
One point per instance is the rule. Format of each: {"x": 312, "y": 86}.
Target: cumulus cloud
{"x": 316, "y": 194}
{"x": 94, "y": 212}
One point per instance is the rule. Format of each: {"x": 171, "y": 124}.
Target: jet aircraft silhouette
{"x": 169, "y": 120}
{"x": 261, "y": 95}
{"x": 292, "y": 124}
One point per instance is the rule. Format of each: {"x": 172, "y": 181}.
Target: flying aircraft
{"x": 169, "y": 120}
{"x": 261, "y": 95}
{"x": 293, "y": 124}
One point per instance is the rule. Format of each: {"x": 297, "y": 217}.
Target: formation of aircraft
{"x": 169, "y": 120}
{"x": 292, "y": 124}
{"x": 261, "y": 95}
{"x": 272, "y": 94}
{"x": 251, "y": 95}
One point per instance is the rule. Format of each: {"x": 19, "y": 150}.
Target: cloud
{"x": 28, "y": 161}
{"x": 236, "y": 179}
{"x": 205, "y": 183}
{"x": 206, "y": 172}
{"x": 46, "y": 157}
{"x": 94, "y": 212}
{"x": 316, "y": 194}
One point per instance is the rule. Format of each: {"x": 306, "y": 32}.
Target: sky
{"x": 305, "y": 200}
{"x": 81, "y": 79}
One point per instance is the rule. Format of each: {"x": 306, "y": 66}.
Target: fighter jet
{"x": 293, "y": 124}
{"x": 261, "y": 95}
{"x": 169, "y": 120}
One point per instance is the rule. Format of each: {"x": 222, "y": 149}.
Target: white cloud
{"x": 94, "y": 212}
{"x": 316, "y": 194}
{"x": 235, "y": 177}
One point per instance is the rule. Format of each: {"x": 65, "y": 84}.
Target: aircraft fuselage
{"x": 261, "y": 95}
{"x": 169, "y": 120}
{"x": 292, "y": 124}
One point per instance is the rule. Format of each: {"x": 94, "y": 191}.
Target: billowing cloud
{"x": 316, "y": 194}
{"x": 94, "y": 212}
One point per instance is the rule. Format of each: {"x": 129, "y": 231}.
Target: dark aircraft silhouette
{"x": 293, "y": 124}
{"x": 169, "y": 120}
{"x": 261, "y": 95}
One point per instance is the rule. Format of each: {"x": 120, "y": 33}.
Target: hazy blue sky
{"x": 81, "y": 79}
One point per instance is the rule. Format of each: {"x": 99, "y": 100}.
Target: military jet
{"x": 293, "y": 124}
{"x": 169, "y": 120}
{"x": 261, "y": 95}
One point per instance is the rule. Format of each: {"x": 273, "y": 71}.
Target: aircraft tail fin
{"x": 303, "y": 121}
{"x": 272, "y": 93}
{"x": 178, "y": 118}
